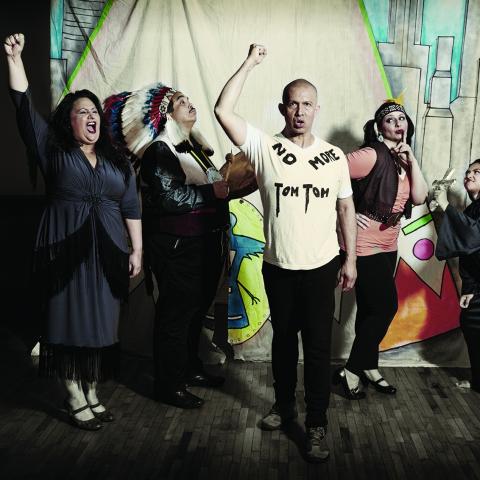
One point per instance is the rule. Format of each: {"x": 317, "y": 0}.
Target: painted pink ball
{"x": 423, "y": 249}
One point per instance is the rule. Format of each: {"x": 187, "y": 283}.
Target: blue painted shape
{"x": 56, "y": 28}
{"x": 444, "y": 18}
{"x": 378, "y": 14}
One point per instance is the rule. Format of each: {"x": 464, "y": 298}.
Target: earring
{"x": 377, "y": 133}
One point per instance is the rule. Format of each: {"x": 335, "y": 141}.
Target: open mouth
{"x": 298, "y": 123}
{"x": 92, "y": 127}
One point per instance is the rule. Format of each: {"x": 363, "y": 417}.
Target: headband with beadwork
{"x": 391, "y": 107}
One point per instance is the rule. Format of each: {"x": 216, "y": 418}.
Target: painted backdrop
{"x": 358, "y": 53}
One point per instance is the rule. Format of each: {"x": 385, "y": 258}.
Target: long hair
{"x": 61, "y": 133}
{"x": 369, "y": 134}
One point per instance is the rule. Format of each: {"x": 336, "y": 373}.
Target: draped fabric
{"x": 194, "y": 46}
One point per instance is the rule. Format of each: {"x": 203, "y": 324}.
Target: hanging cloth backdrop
{"x": 195, "y": 46}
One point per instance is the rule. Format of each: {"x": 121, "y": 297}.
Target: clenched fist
{"x": 256, "y": 54}
{"x": 14, "y": 44}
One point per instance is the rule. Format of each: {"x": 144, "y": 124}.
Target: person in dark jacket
{"x": 81, "y": 259}
{"x": 185, "y": 222}
{"x": 459, "y": 236}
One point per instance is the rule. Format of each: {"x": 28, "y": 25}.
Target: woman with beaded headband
{"x": 185, "y": 220}
{"x": 386, "y": 181}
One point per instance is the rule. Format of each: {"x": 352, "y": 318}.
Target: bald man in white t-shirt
{"x": 305, "y": 188}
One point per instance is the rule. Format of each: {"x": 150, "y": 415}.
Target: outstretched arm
{"x": 233, "y": 124}
{"x": 17, "y": 77}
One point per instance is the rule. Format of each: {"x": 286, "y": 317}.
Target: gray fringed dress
{"x": 81, "y": 253}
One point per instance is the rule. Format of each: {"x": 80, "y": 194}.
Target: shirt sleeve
{"x": 254, "y": 146}
{"x": 345, "y": 189}
{"x": 130, "y": 204}
{"x": 32, "y": 127}
{"x": 458, "y": 235}
{"x": 469, "y": 283}
{"x": 361, "y": 162}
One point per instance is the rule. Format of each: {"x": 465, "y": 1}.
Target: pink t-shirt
{"x": 377, "y": 237}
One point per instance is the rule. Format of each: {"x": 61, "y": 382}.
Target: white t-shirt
{"x": 299, "y": 188}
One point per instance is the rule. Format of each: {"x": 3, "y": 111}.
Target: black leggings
{"x": 377, "y": 304}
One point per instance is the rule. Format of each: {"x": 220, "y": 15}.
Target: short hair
{"x": 296, "y": 83}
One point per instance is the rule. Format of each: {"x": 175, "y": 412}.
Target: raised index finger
{"x": 404, "y": 136}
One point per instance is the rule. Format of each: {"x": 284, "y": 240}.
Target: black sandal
{"x": 92, "y": 425}
{"x": 104, "y": 416}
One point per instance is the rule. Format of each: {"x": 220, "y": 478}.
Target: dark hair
{"x": 61, "y": 134}
{"x": 474, "y": 162}
{"x": 369, "y": 135}
{"x": 295, "y": 83}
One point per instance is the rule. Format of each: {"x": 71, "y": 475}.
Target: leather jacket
{"x": 172, "y": 206}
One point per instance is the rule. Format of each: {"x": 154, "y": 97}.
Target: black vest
{"x": 375, "y": 194}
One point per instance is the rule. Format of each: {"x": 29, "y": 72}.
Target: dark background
{"x": 20, "y": 204}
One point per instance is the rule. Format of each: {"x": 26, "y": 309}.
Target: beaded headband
{"x": 391, "y": 107}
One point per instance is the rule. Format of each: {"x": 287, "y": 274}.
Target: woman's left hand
{"x": 135, "y": 263}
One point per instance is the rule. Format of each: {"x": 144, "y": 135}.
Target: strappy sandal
{"x": 387, "y": 389}
{"x": 105, "y": 416}
{"x": 92, "y": 425}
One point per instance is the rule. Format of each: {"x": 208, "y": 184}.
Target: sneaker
{"x": 278, "y": 417}
{"x": 316, "y": 447}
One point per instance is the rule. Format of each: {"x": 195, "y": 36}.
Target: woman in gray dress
{"x": 81, "y": 261}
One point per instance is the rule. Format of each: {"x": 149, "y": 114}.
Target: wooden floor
{"x": 430, "y": 429}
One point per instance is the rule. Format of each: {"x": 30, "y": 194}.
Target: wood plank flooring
{"x": 430, "y": 429}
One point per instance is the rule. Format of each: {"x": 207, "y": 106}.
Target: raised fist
{"x": 14, "y": 44}
{"x": 256, "y": 53}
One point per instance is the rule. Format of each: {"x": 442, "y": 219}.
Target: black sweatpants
{"x": 302, "y": 300}
{"x": 187, "y": 270}
{"x": 470, "y": 324}
{"x": 377, "y": 304}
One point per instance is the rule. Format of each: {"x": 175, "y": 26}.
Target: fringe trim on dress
{"x": 55, "y": 264}
{"x": 114, "y": 262}
{"x": 86, "y": 364}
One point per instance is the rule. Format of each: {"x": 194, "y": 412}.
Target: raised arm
{"x": 233, "y": 124}
{"x": 17, "y": 77}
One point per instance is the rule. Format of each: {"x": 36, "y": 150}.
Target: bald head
{"x": 299, "y": 82}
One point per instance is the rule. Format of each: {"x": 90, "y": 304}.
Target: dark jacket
{"x": 171, "y": 206}
{"x": 459, "y": 236}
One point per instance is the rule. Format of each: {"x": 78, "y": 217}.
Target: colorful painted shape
{"x": 422, "y": 313}
{"x": 247, "y": 301}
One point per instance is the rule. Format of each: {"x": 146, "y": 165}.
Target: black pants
{"x": 187, "y": 270}
{"x": 302, "y": 300}
{"x": 377, "y": 304}
{"x": 470, "y": 324}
